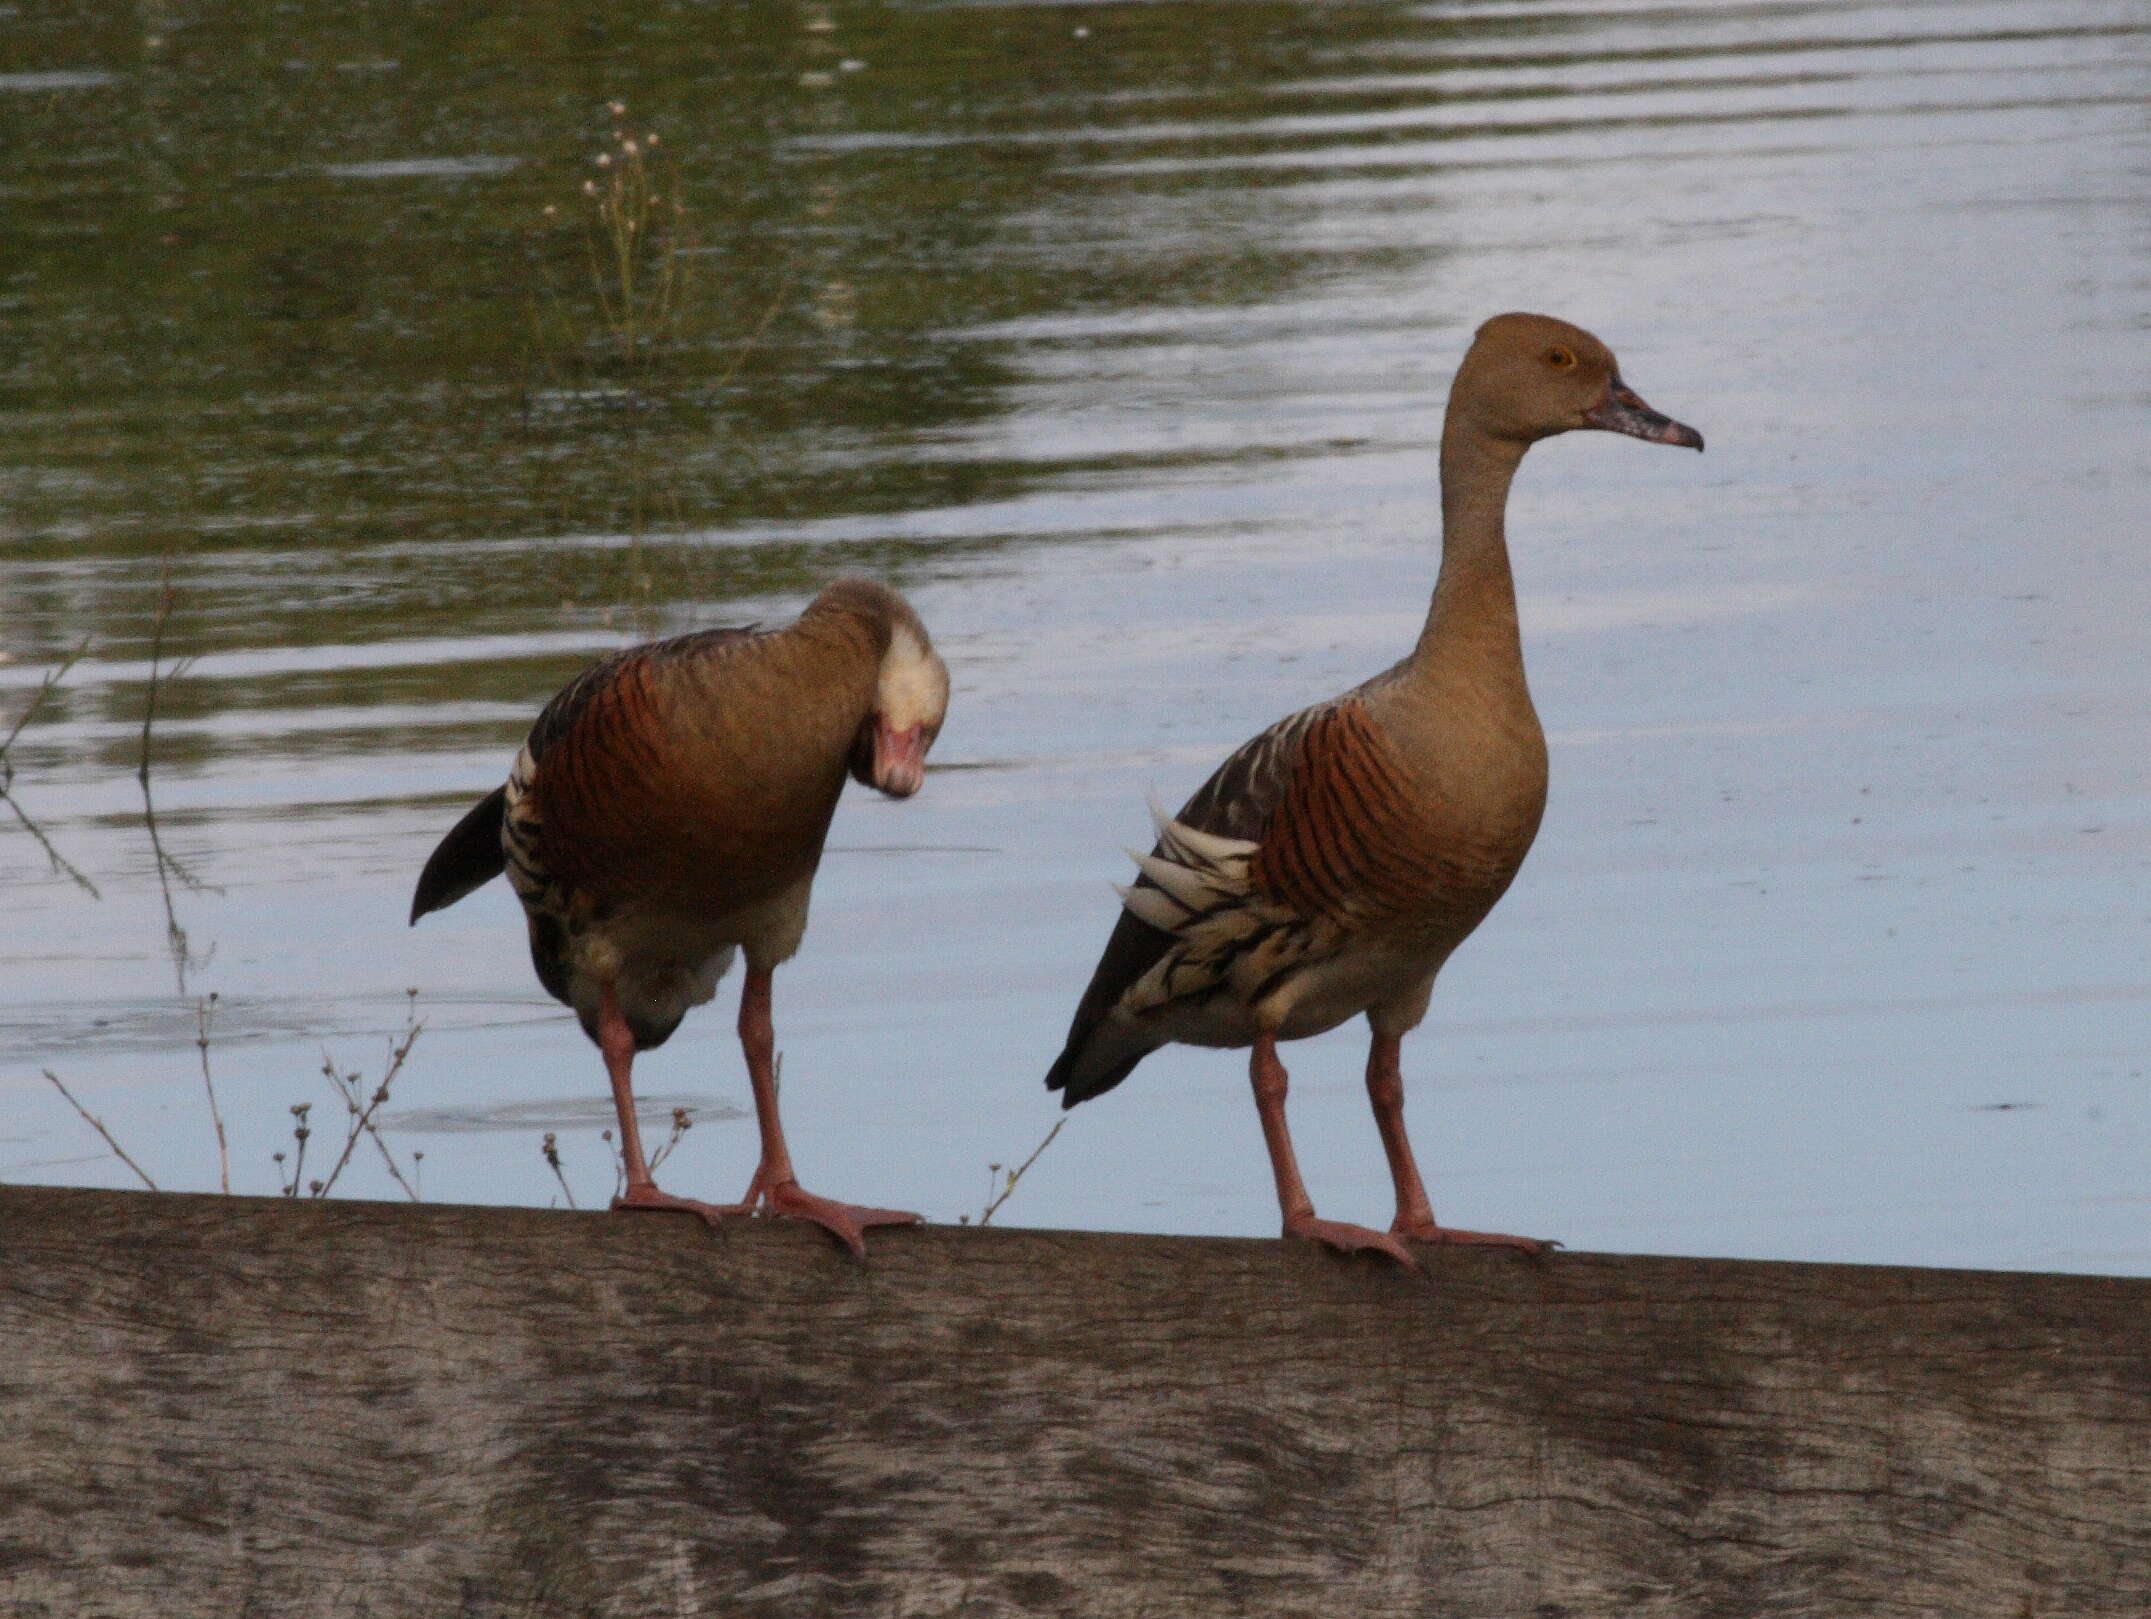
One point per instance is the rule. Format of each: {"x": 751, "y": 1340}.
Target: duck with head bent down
{"x": 668, "y": 811}
{"x": 1331, "y": 865}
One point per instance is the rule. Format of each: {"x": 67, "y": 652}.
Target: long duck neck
{"x": 1471, "y": 623}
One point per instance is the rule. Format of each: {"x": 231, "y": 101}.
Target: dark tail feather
{"x": 1075, "y": 1087}
{"x": 1105, "y": 1043}
{"x": 468, "y": 858}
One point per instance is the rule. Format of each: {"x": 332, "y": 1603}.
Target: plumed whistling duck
{"x": 1331, "y": 865}
{"x": 669, "y": 809}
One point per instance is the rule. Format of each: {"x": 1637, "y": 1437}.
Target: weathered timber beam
{"x": 237, "y": 1406}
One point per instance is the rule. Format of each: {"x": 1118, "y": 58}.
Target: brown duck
{"x": 1332, "y": 864}
{"x": 669, "y": 809}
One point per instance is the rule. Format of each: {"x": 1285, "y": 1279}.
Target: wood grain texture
{"x": 232, "y": 1406}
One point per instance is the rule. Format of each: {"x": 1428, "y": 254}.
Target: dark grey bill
{"x": 1625, "y": 412}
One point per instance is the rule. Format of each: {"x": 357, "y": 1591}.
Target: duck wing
{"x": 476, "y": 849}
{"x": 1199, "y": 863}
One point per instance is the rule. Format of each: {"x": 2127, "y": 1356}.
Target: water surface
{"x": 1117, "y": 336}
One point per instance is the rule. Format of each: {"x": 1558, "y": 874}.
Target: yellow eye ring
{"x": 1561, "y": 359}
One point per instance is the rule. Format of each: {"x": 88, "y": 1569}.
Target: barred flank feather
{"x": 1346, "y": 839}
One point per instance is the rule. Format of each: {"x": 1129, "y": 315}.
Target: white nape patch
{"x": 914, "y": 684}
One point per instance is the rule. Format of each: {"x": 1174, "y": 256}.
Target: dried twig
{"x": 168, "y": 864}
{"x": 61, "y": 865}
{"x": 552, "y": 1158}
{"x": 97, "y": 1124}
{"x": 1017, "y": 1174}
{"x": 301, "y": 1133}
{"x": 683, "y": 1120}
{"x": 347, "y": 1086}
{"x": 619, "y": 1166}
{"x": 203, "y": 1009}
{"x": 165, "y": 598}
{"x": 45, "y": 688}
{"x": 176, "y": 942}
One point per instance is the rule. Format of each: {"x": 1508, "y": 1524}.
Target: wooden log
{"x": 239, "y": 1406}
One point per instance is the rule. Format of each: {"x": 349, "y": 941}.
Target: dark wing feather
{"x": 1236, "y": 802}
{"x": 472, "y": 854}
{"x": 1244, "y": 792}
{"x": 559, "y": 716}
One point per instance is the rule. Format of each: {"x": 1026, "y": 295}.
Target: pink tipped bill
{"x": 899, "y": 758}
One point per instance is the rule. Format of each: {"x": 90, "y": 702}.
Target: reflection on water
{"x": 1117, "y": 335}
{"x": 588, "y": 1113}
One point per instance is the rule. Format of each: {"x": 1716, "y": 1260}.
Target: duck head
{"x": 1528, "y": 377}
{"x": 911, "y": 698}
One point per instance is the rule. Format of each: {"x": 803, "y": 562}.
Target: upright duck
{"x": 1331, "y": 865}
{"x": 669, "y": 809}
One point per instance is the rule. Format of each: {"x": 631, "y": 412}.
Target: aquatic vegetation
{"x": 641, "y": 329}
{"x": 637, "y": 235}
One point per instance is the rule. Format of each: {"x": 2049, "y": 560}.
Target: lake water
{"x": 1117, "y": 336}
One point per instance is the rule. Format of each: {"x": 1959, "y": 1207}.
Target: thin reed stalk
{"x": 1017, "y": 1174}
{"x": 552, "y": 1158}
{"x": 203, "y": 1010}
{"x": 61, "y": 865}
{"x": 361, "y": 1114}
{"x": 97, "y": 1124}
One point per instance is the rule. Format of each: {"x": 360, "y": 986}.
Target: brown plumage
{"x": 669, "y": 809}
{"x": 1331, "y": 865}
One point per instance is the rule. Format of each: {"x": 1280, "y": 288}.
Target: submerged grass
{"x": 637, "y": 262}
{"x": 639, "y": 337}
{"x": 636, "y": 248}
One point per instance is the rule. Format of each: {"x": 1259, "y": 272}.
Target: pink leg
{"x": 774, "y": 1187}
{"x": 1415, "y": 1215}
{"x": 641, "y": 1192}
{"x": 1269, "y": 1079}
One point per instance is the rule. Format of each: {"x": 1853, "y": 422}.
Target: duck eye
{"x": 1560, "y": 359}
